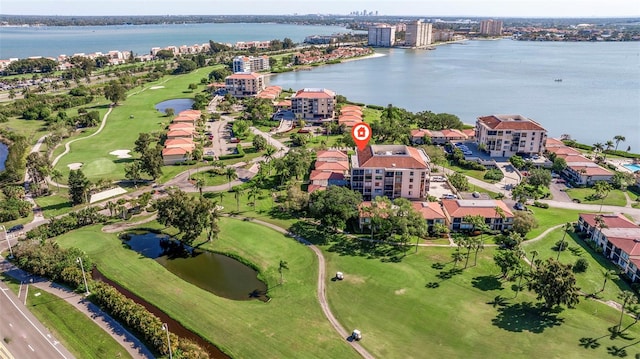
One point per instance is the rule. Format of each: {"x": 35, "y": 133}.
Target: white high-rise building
{"x": 418, "y": 34}
{"x": 382, "y": 35}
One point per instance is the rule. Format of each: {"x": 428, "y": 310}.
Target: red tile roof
{"x": 610, "y": 220}
{"x": 179, "y": 133}
{"x": 470, "y": 132}
{"x": 420, "y": 133}
{"x": 629, "y": 246}
{"x": 569, "y": 158}
{"x": 319, "y": 175}
{"x": 182, "y": 126}
{"x": 553, "y": 142}
{"x": 332, "y": 166}
{"x": 332, "y": 154}
{"x": 429, "y": 210}
{"x": 182, "y": 118}
{"x": 510, "y": 122}
{"x": 174, "y": 151}
{"x": 457, "y": 208}
{"x": 244, "y": 76}
{"x": 314, "y": 93}
{"x": 410, "y": 157}
{"x": 563, "y": 150}
{"x": 589, "y": 169}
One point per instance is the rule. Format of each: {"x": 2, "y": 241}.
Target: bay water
{"x": 597, "y": 98}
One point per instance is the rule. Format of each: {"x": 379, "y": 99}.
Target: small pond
{"x": 213, "y": 272}
{"x": 4, "y": 152}
{"x": 178, "y": 105}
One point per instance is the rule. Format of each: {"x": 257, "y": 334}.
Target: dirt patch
{"x": 121, "y": 153}
{"x": 400, "y": 291}
{"x": 353, "y": 279}
{"x": 156, "y": 87}
{"x": 75, "y": 165}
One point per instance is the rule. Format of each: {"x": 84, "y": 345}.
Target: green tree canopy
{"x": 114, "y": 92}
{"x": 539, "y": 177}
{"x": 555, "y": 283}
{"x": 78, "y": 186}
{"x": 189, "y": 215}
{"x": 335, "y": 206}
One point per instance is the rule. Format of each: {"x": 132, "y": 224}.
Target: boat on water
{"x": 558, "y": 80}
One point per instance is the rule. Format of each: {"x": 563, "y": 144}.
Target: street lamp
{"x": 165, "y": 327}
{"x": 84, "y": 276}
{"x": 8, "y": 242}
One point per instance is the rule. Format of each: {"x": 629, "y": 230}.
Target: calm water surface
{"x": 178, "y": 105}
{"x": 52, "y": 41}
{"x": 4, "y": 151}
{"x": 216, "y": 273}
{"x": 598, "y": 98}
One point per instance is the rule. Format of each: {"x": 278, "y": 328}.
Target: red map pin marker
{"x": 361, "y": 134}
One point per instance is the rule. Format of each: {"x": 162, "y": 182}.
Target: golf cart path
{"x": 322, "y": 297}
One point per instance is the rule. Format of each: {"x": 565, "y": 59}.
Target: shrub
{"x": 540, "y": 204}
{"x": 580, "y": 266}
{"x": 494, "y": 175}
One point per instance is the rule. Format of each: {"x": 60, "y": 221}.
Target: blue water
{"x": 632, "y": 168}
{"x": 4, "y": 152}
{"x": 598, "y": 98}
{"x": 178, "y": 105}
{"x": 52, "y": 41}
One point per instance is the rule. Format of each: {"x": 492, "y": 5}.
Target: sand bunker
{"x": 75, "y": 165}
{"x": 156, "y": 87}
{"x": 121, "y": 153}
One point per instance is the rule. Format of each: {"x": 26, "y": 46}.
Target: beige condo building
{"x": 508, "y": 135}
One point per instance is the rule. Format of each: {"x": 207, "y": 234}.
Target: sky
{"x": 427, "y": 8}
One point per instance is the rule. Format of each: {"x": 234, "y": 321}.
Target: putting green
{"x": 99, "y": 167}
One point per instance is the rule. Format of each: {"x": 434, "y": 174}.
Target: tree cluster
{"x": 335, "y": 206}
{"x": 190, "y": 216}
{"x": 61, "y": 225}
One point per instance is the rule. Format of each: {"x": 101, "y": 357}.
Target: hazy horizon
{"x": 413, "y": 8}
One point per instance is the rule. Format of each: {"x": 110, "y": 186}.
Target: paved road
{"x": 26, "y": 336}
{"x": 127, "y": 340}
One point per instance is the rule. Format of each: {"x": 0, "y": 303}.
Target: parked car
{"x": 476, "y": 194}
{"x": 449, "y": 196}
{"x": 16, "y": 228}
{"x": 234, "y": 140}
{"x": 519, "y": 206}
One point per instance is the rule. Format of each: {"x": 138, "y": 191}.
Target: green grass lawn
{"x": 401, "y": 318}
{"x": 32, "y": 130}
{"x": 550, "y": 217}
{"x": 479, "y": 175}
{"x": 77, "y": 333}
{"x": 55, "y": 204}
{"x": 121, "y": 130}
{"x": 291, "y": 325}
{"x": 614, "y": 198}
{"x": 210, "y": 178}
{"x": 590, "y": 281}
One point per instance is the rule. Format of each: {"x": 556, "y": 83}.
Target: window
{"x": 378, "y": 171}
{"x": 409, "y": 193}
{"x": 410, "y": 186}
{"x": 410, "y": 180}
{"x": 411, "y": 173}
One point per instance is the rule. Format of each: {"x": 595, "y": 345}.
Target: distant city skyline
{"x": 427, "y": 8}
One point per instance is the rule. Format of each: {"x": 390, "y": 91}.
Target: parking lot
{"x": 438, "y": 187}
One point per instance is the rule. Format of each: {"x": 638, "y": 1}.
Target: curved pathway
{"x": 322, "y": 296}
{"x": 67, "y": 147}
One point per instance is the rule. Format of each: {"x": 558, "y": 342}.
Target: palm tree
{"x": 112, "y": 207}
{"x": 627, "y": 298}
{"x": 199, "y": 184}
{"x": 598, "y": 147}
{"x": 478, "y": 245}
{"x": 268, "y": 156}
{"x": 602, "y": 190}
{"x": 608, "y": 275}
{"x": 608, "y": 145}
{"x": 566, "y": 229}
{"x": 254, "y": 192}
{"x": 618, "y": 139}
{"x": 56, "y": 176}
{"x": 231, "y": 174}
{"x": 457, "y": 257}
{"x": 283, "y": 265}
{"x": 237, "y": 195}
{"x": 520, "y": 272}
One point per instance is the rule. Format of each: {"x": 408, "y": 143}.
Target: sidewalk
{"x": 129, "y": 342}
